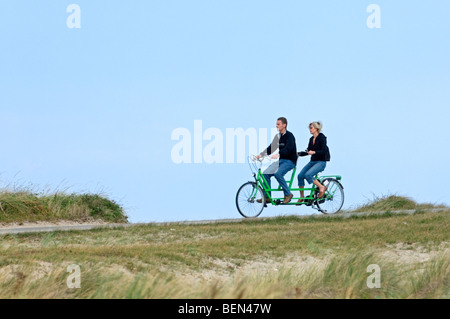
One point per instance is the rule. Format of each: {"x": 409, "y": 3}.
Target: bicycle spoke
{"x": 247, "y": 200}
{"x": 333, "y": 198}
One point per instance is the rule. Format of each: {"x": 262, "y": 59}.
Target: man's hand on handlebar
{"x": 274, "y": 156}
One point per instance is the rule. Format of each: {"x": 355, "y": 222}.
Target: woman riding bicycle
{"x": 320, "y": 155}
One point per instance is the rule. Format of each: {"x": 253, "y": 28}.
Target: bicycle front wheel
{"x": 250, "y": 200}
{"x": 333, "y": 199}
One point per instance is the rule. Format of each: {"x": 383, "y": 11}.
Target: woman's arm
{"x": 308, "y": 148}
{"x": 321, "y": 145}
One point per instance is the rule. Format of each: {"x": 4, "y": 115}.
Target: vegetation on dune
{"x": 29, "y": 206}
{"x": 283, "y": 257}
{"x": 343, "y": 276}
{"x": 393, "y": 203}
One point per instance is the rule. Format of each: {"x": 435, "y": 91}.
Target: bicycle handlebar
{"x": 254, "y": 166}
{"x": 302, "y": 153}
{"x": 255, "y": 163}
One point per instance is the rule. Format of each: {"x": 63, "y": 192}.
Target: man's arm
{"x": 272, "y": 147}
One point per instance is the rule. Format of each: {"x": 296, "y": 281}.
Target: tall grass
{"x": 336, "y": 277}
{"x": 285, "y": 257}
{"x": 21, "y": 205}
{"x": 394, "y": 202}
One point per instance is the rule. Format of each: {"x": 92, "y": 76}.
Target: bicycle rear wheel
{"x": 247, "y": 200}
{"x": 333, "y": 199}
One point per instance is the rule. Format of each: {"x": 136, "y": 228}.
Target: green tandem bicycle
{"x": 250, "y": 198}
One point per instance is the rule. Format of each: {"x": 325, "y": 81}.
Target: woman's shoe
{"x": 321, "y": 193}
{"x": 299, "y": 202}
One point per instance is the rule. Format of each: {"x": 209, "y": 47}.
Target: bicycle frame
{"x": 308, "y": 200}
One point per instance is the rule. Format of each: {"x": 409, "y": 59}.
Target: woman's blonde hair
{"x": 317, "y": 125}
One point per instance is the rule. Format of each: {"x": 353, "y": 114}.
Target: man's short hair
{"x": 283, "y": 120}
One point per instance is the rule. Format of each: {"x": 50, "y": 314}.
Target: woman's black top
{"x": 320, "y": 147}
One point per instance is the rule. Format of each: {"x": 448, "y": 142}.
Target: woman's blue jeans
{"x": 310, "y": 171}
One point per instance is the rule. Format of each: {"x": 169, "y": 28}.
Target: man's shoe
{"x": 267, "y": 200}
{"x": 323, "y": 192}
{"x": 287, "y": 198}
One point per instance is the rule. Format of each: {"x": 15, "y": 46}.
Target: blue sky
{"x": 93, "y": 109}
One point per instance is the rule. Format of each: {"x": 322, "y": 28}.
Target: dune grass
{"x": 394, "y": 202}
{"x": 24, "y": 205}
{"x": 284, "y": 257}
{"x": 342, "y": 276}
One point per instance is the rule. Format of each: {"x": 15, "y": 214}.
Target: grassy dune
{"x": 394, "y": 202}
{"x": 284, "y": 257}
{"x": 29, "y": 206}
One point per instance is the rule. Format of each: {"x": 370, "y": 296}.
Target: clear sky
{"x": 94, "y": 108}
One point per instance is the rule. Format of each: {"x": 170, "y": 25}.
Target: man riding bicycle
{"x": 285, "y": 142}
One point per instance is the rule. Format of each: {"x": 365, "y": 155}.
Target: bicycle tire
{"x": 333, "y": 199}
{"x": 246, "y": 200}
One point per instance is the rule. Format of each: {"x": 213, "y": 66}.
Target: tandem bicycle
{"x": 250, "y": 197}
